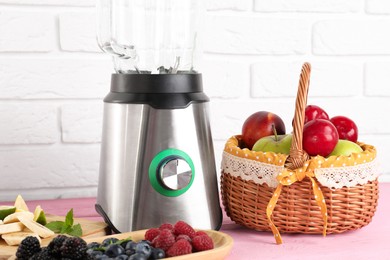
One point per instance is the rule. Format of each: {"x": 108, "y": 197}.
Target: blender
{"x": 157, "y": 160}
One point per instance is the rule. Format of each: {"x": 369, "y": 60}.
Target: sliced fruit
{"x": 35, "y": 227}
{"x": 14, "y": 216}
{"x": 6, "y": 210}
{"x": 14, "y": 239}
{"x": 39, "y": 216}
{"x": 20, "y": 204}
{"x": 1, "y": 222}
{"x": 10, "y": 228}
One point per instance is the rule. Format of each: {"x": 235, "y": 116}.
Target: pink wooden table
{"x": 370, "y": 242}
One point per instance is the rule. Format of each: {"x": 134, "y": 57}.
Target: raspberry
{"x": 166, "y": 226}
{"x": 152, "y": 233}
{"x": 181, "y": 247}
{"x": 200, "y": 233}
{"x": 185, "y": 237}
{"x": 202, "y": 243}
{"x": 182, "y": 228}
{"x": 165, "y": 240}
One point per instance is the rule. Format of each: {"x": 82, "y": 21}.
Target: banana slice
{"x": 1, "y": 222}
{"x": 10, "y": 228}
{"x": 14, "y": 216}
{"x": 14, "y": 239}
{"x": 35, "y": 227}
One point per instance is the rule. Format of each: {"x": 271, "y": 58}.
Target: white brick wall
{"x": 53, "y": 78}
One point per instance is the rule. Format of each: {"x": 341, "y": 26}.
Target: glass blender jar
{"x": 150, "y": 36}
{"x": 157, "y": 158}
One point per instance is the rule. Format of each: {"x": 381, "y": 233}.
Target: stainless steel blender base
{"x": 134, "y": 136}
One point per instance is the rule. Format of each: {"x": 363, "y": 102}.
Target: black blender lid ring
{"x": 156, "y": 83}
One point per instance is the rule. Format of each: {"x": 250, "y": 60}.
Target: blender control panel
{"x": 175, "y": 173}
{"x": 171, "y": 172}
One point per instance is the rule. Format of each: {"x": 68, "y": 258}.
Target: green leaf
{"x": 76, "y": 231}
{"x": 69, "y": 218}
{"x": 55, "y": 226}
{"x": 65, "y": 229}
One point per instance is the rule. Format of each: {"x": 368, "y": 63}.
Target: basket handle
{"x": 297, "y": 155}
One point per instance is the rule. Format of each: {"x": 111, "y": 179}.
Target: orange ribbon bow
{"x": 288, "y": 177}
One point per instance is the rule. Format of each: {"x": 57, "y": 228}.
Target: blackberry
{"x": 54, "y": 246}
{"x": 74, "y": 248}
{"x": 27, "y": 248}
{"x": 42, "y": 255}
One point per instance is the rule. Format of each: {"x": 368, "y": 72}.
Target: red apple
{"x": 346, "y": 128}
{"x": 259, "y": 125}
{"x": 319, "y": 137}
{"x": 315, "y": 112}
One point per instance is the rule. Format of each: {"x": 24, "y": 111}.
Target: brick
{"x": 31, "y": 78}
{"x": 328, "y": 6}
{"x": 78, "y": 32}
{"x": 378, "y": 6}
{"x": 27, "y": 32}
{"x": 255, "y": 35}
{"x": 224, "y": 79}
{"x": 377, "y": 79}
{"x": 28, "y": 123}
{"x": 49, "y": 166}
{"x": 351, "y": 37}
{"x": 236, "y": 5}
{"x": 280, "y": 79}
{"x": 51, "y": 2}
{"x": 381, "y": 143}
{"x": 82, "y": 123}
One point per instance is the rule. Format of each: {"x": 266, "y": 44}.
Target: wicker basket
{"x": 289, "y": 193}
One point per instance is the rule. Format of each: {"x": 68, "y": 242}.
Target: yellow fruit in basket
{"x": 346, "y": 148}
{"x": 274, "y": 143}
{"x": 6, "y": 210}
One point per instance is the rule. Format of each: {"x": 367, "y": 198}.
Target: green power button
{"x": 171, "y": 172}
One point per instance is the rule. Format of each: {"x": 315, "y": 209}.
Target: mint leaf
{"x": 55, "y": 226}
{"x": 69, "y": 218}
{"x": 66, "y": 227}
{"x": 76, "y": 231}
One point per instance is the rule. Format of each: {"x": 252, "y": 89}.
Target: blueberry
{"x": 94, "y": 253}
{"x": 114, "y": 250}
{"x": 130, "y": 248}
{"x": 158, "y": 253}
{"x": 93, "y": 245}
{"x": 109, "y": 241}
{"x": 143, "y": 248}
{"x": 124, "y": 244}
{"x": 146, "y": 241}
{"x": 121, "y": 257}
{"x": 102, "y": 257}
{"x": 138, "y": 256}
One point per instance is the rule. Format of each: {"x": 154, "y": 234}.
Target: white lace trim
{"x": 334, "y": 178}
{"x": 251, "y": 170}
{"x": 348, "y": 176}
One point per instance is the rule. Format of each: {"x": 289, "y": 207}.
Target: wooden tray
{"x": 90, "y": 229}
{"x": 223, "y": 244}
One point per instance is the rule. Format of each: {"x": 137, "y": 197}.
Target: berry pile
{"x": 180, "y": 239}
{"x": 112, "y": 248}
{"x": 61, "y": 247}
{"x": 166, "y": 241}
